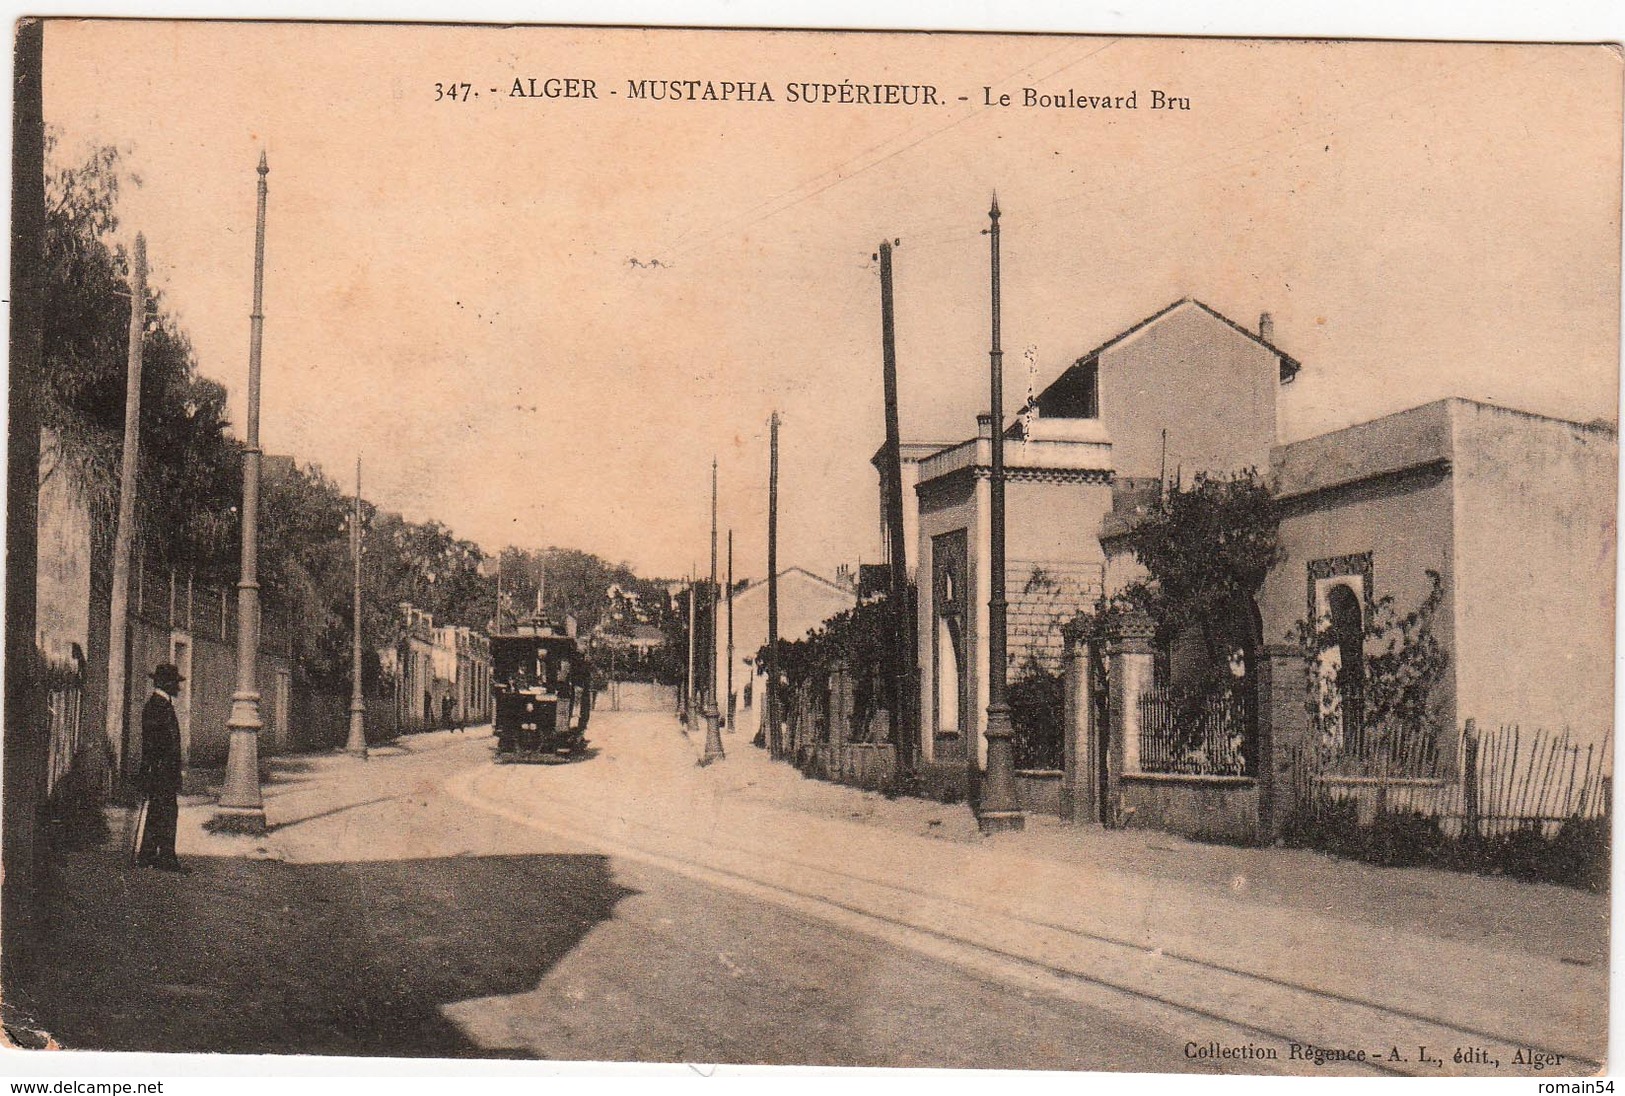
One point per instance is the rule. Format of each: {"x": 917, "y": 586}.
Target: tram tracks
{"x": 1203, "y": 1007}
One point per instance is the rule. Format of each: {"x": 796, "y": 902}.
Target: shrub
{"x": 1577, "y": 855}
{"x": 1038, "y": 717}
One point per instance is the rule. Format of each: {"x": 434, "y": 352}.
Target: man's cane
{"x": 135, "y": 830}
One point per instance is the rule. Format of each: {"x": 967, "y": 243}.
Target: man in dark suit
{"x": 161, "y": 770}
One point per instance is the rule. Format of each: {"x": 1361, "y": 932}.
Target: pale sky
{"x": 449, "y": 291}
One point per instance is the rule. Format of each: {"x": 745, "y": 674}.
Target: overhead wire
{"x": 1029, "y": 217}
{"x": 708, "y": 235}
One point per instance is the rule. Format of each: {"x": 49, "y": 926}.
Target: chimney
{"x": 1266, "y": 327}
{"x": 984, "y": 425}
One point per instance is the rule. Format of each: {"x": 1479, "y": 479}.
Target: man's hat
{"x": 167, "y": 672}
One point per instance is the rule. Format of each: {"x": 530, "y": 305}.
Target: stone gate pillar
{"x": 842, "y": 702}
{"x": 1283, "y": 730}
{"x": 1130, "y": 675}
{"x": 1080, "y": 736}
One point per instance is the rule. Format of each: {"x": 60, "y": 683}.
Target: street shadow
{"x": 208, "y": 780}
{"x": 266, "y": 957}
{"x": 276, "y": 827}
{"x": 286, "y": 770}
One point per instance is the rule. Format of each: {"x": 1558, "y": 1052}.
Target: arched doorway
{"x": 1345, "y": 667}
{"x": 950, "y": 607}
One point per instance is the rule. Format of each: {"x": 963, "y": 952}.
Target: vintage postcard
{"x": 895, "y": 549}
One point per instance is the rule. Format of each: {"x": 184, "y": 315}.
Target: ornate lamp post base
{"x": 713, "y": 737}
{"x": 247, "y": 822}
{"x": 1001, "y": 821}
{"x": 241, "y": 809}
{"x": 356, "y": 745}
{"x": 1000, "y": 810}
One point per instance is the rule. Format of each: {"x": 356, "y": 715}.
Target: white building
{"x": 805, "y": 602}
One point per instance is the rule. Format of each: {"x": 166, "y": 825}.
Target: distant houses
{"x": 438, "y": 676}
{"x": 805, "y": 602}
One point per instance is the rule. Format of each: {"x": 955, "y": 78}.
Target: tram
{"x": 542, "y": 689}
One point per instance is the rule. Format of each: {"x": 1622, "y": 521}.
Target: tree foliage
{"x": 861, "y": 639}
{"x": 188, "y": 463}
{"x": 306, "y": 568}
{"x": 1207, "y": 548}
{"x": 577, "y": 582}
{"x": 1037, "y": 696}
{"x": 190, "y": 471}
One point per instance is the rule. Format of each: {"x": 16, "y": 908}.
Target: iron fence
{"x": 174, "y": 600}
{"x": 65, "y": 730}
{"x": 1203, "y": 737}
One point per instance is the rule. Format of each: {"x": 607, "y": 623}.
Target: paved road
{"x": 597, "y": 950}
{"x": 636, "y": 906}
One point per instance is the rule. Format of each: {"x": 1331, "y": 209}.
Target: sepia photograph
{"x": 801, "y": 547}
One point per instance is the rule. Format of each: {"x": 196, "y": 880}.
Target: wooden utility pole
{"x": 771, "y": 708}
{"x": 998, "y": 808}
{"x": 711, "y": 606}
{"x": 903, "y": 732}
{"x": 730, "y": 677}
{"x": 357, "y": 744}
{"x": 496, "y": 618}
{"x": 118, "y": 646}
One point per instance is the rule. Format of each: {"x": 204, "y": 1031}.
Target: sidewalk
{"x": 270, "y": 943}
{"x": 1560, "y": 923}
{"x": 1271, "y": 940}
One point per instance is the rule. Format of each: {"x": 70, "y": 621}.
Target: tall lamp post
{"x": 241, "y": 807}
{"x": 713, "y": 736}
{"x": 998, "y": 809}
{"x": 688, "y": 692}
{"x": 357, "y": 744}
{"x": 772, "y": 700}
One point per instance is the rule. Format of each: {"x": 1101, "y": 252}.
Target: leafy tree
{"x": 306, "y": 569}
{"x": 1207, "y": 549}
{"x": 430, "y": 567}
{"x": 572, "y": 581}
{"x": 859, "y": 638}
{"x": 1037, "y": 697}
{"x": 187, "y": 461}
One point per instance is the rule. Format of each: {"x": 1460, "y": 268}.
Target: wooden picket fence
{"x": 66, "y": 731}
{"x": 1499, "y": 781}
{"x": 1514, "y": 779}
